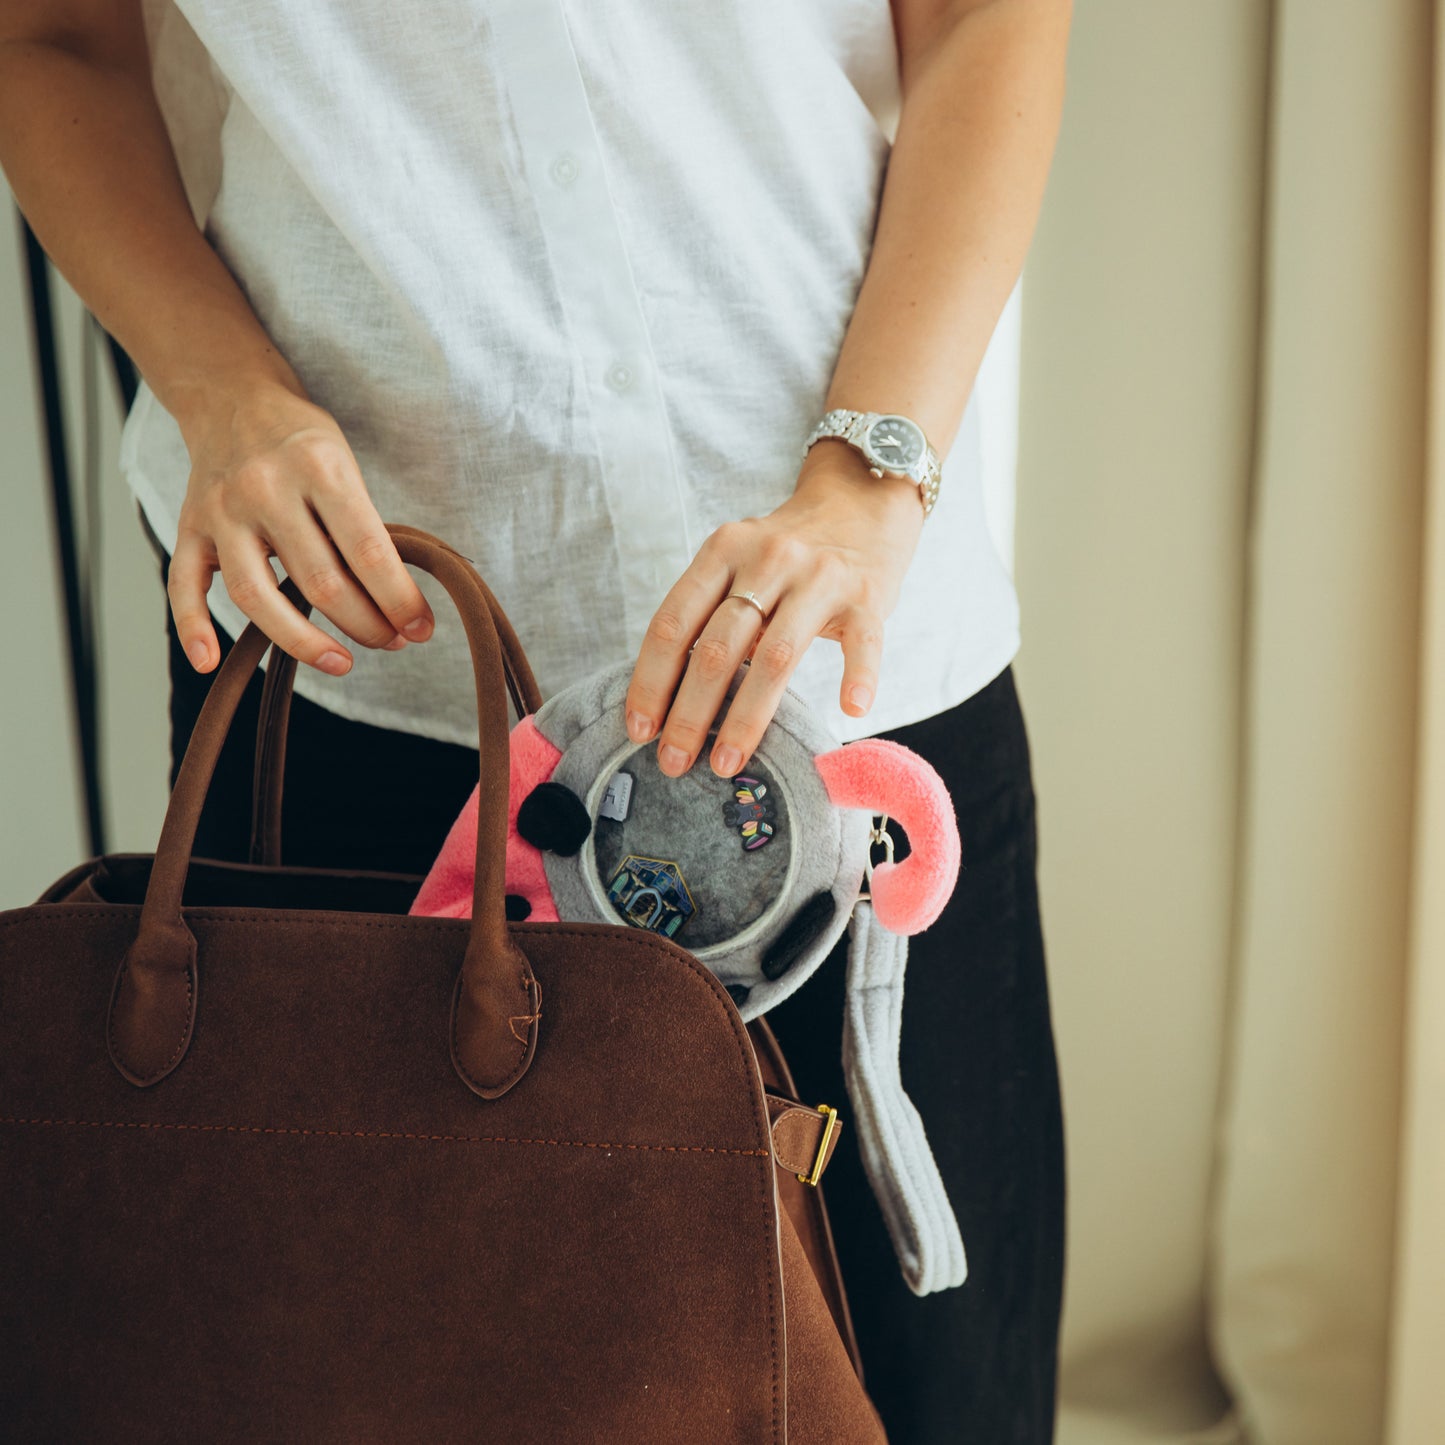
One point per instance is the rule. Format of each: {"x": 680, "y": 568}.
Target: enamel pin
{"x": 752, "y": 814}
{"x": 651, "y": 893}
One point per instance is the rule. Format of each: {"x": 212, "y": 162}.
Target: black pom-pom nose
{"x": 553, "y": 818}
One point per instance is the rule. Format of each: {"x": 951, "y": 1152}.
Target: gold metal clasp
{"x": 816, "y": 1172}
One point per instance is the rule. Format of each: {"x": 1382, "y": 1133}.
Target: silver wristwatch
{"x": 889, "y": 443}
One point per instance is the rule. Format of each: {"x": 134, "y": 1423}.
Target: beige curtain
{"x": 1416, "y": 1398}
{"x": 1234, "y": 674}
{"x": 1303, "y": 1224}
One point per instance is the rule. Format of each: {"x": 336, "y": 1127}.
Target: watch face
{"x": 895, "y": 443}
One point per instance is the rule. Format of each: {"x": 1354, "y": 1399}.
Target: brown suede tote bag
{"x": 280, "y": 1162}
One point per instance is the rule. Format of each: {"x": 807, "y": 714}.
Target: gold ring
{"x": 751, "y": 598}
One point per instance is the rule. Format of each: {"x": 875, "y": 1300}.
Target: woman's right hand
{"x": 88, "y": 156}
{"x": 272, "y": 475}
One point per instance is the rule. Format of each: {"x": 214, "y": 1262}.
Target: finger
{"x": 361, "y": 538}
{"x": 327, "y": 584}
{"x": 188, "y": 578}
{"x": 674, "y": 627}
{"x": 715, "y": 658}
{"x": 800, "y": 617}
{"x": 252, "y": 586}
{"x": 862, "y": 655}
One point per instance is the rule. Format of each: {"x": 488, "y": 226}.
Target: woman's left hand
{"x": 829, "y": 562}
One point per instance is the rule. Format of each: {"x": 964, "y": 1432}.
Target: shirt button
{"x": 619, "y": 376}
{"x": 565, "y": 169}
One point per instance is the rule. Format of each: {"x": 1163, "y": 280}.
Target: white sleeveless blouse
{"x": 572, "y": 277}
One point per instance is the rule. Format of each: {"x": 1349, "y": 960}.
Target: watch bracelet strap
{"x": 849, "y": 426}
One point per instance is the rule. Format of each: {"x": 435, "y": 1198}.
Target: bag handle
{"x": 268, "y": 777}
{"x": 496, "y": 1003}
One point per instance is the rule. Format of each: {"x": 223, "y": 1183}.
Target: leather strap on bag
{"x": 496, "y": 1004}
{"x": 268, "y": 779}
{"x": 803, "y": 1138}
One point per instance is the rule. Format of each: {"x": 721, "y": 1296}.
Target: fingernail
{"x": 418, "y": 630}
{"x": 639, "y": 728}
{"x": 859, "y": 697}
{"x": 199, "y": 654}
{"x": 726, "y": 761}
{"x": 671, "y": 760}
{"x": 333, "y": 662}
{"x": 395, "y": 645}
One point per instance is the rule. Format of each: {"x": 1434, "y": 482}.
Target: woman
{"x": 572, "y": 286}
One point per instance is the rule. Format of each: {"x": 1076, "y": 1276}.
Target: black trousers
{"x": 969, "y": 1366}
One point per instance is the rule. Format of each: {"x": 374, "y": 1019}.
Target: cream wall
{"x": 1137, "y": 402}
{"x": 41, "y": 822}
{"x": 1137, "y": 396}
{"x": 1143, "y": 311}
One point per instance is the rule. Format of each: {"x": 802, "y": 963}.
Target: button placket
{"x": 599, "y": 297}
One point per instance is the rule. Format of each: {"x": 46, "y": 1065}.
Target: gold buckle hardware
{"x": 816, "y": 1173}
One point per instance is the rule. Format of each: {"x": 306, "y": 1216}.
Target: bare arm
{"x": 982, "y": 92}
{"x": 86, "y": 152}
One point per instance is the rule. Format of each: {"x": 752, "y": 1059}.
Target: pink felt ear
{"x": 446, "y": 891}
{"x": 886, "y": 777}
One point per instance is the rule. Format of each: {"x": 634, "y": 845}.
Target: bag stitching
{"x": 378, "y": 1134}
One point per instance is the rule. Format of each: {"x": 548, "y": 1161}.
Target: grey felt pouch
{"x": 758, "y": 876}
